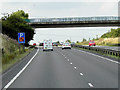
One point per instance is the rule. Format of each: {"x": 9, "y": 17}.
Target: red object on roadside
{"x": 34, "y": 44}
{"x": 92, "y": 43}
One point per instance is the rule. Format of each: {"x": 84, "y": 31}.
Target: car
{"x": 72, "y": 43}
{"x": 66, "y": 46}
{"x": 34, "y": 44}
{"x": 41, "y": 44}
{"x": 55, "y": 44}
{"x": 92, "y": 43}
{"x": 47, "y": 45}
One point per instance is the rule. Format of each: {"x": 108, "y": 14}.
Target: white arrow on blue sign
{"x": 21, "y": 37}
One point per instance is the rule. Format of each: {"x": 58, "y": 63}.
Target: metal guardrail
{"x": 73, "y": 19}
{"x": 98, "y": 49}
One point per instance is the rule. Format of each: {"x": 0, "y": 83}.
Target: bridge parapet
{"x": 72, "y": 19}
{"x": 74, "y": 22}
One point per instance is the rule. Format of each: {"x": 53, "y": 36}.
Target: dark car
{"x": 55, "y": 44}
{"x": 41, "y": 44}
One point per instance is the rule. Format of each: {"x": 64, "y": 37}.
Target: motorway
{"x": 116, "y": 48}
{"x": 68, "y": 69}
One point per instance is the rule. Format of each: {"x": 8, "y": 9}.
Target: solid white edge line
{"x": 90, "y": 85}
{"x": 101, "y": 57}
{"x": 21, "y": 71}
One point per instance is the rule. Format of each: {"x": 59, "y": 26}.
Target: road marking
{"x": 81, "y": 74}
{"x": 68, "y": 59}
{"x": 101, "y": 57}
{"x": 21, "y": 70}
{"x": 90, "y": 85}
{"x": 65, "y": 57}
{"x": 75, "y": 67}
{"x": 71, "y": 63}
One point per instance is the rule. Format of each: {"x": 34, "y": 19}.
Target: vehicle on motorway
{"x": 34, "y": 44}
{"x": 92, "y": 43}
{"x": 55, "y": 44}
{"x": 72, "y": 43}
{"x": 41, "y": 44}
{"x": 66, "y": 46}
{"x": 47, "y": 45}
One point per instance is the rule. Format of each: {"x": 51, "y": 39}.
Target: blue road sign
{"x": 21, "y": 37}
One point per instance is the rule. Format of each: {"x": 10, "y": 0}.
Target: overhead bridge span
{"x": 74, "y": 22}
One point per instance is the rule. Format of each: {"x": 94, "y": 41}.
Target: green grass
{"x": 16, "y": 59}
{"x": 92, "y": 51}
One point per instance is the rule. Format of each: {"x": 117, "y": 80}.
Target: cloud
{"x": 109, "y": 8}
{"x": 60, "y": 0}
{"x": 62, "y": 9}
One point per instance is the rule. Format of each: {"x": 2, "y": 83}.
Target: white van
{"x": 47, "y": 45}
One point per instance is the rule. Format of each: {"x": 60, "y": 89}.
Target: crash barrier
{"x": 101, "y": 50}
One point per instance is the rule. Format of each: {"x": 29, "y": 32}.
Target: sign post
{"x": 21, "y": 38}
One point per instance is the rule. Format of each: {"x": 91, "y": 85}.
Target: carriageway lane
{"x": 50, "y": 70}
{"x": 100, "y": 72}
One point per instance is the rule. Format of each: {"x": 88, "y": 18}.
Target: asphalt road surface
{"x": 68, "y": 69}
{"x": 116, "y": 48}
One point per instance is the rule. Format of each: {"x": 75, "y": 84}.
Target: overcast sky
{"x": 62, "y": 9}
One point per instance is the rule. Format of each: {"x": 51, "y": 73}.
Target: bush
{"x": 114, "y": 33}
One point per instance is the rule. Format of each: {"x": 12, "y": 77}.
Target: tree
{"x": 112, "y": 34}
{"x": 58, "y": 42}
{"x": 84, "y": 40}
{"x": 68, "y": 41}
{"x": 15, "y": 23}
{"x": 77, "y": 42}
{"x": 21, "y": 13}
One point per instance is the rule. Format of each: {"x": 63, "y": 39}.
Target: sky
{"x": 73, "y": 34}
{"x": 59, "y": 0}
{"x": 62, "y": 8}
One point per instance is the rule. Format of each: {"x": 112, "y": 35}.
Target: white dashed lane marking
{"x": 71, "y": 63}
{"x": 90, "y": 85}
{"x": 75, "y": 67}
{"x": 81, "y": 74}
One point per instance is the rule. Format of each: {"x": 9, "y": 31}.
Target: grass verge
{"x": 17, "y": 58}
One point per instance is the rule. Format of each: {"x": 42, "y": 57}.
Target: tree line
{"x": 14, "y": 23}
{"x": 112, "y": 34}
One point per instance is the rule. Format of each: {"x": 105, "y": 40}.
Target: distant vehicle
{"x": 55, "y": 44}
{"x": 41, "y": 44}
{"x": 34, "y": 44}
{"x": 66, "y": 46}
{"x": 47, "y": 45}
{"x": 72, "y": 43}
{"x": 61, "y": 43}
{"x": 92, "y": 43}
